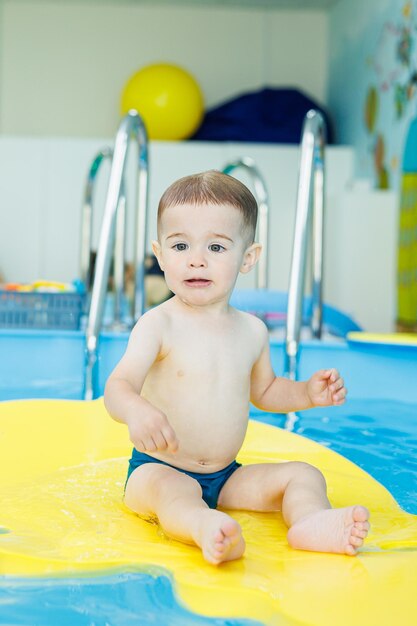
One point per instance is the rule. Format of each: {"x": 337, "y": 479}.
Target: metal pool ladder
{"x": 87, "y": 213}
{"x": 130, "y": 126}
{"x": 308, "y": 223}
{"x": 261, "y": 195}
{"x": 86, "y": 248}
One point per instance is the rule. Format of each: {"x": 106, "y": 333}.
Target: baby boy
{"x": 192, "y": 366}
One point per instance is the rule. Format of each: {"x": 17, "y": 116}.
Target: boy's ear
{"x": 156, "y": 249}
{"x": 250, "y": 257}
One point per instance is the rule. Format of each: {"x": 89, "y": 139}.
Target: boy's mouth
{"x": 197, "y": 282}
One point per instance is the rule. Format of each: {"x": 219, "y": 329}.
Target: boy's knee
{"x": 308, "y": 472}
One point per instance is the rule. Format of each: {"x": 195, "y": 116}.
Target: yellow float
{"x": 62, "y": 471}
{"x": 388, "y": 339}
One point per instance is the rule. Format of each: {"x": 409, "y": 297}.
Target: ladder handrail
{"x": 86, "y": 248}
{"x": 308, "y": 222}
{"x": 87, "y": 212}
{"x": 131, "y": 125}
{"x": 261, "y": 195}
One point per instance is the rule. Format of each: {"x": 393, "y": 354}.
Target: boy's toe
{"x": 350, "y": 550}
{"x": 360, "y": 514}
{"x": 356, "y": 541}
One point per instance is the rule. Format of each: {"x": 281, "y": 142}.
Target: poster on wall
{"x": 391, "y": 95}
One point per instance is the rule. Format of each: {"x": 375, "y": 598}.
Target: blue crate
{"x": 47, "y": 311}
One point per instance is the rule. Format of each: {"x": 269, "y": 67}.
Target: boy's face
{"x": 202, "y": 249}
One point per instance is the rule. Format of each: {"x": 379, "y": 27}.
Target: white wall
{"x": 63, "y": 65}
{"x": 361, "y": 256}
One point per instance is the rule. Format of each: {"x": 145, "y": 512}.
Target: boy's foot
{"x": 221, "y": 538}
{"x": 332, "y": 530}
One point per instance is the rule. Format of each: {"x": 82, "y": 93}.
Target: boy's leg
{"x": 175, "y": 498}
{"x": 299, "y": 491}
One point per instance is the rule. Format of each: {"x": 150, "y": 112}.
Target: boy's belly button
{"x": 210, "y": 466}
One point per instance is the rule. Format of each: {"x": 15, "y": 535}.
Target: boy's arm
{"x": 148, "y": 427}
{"x": 281, "y": 395}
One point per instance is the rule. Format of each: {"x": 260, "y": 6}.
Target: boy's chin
{"x": 203, "y": 299}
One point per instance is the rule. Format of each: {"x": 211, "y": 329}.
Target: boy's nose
{"x": 197, "y": 259}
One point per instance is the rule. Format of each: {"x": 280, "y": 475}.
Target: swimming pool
{"x": 376, "y": 429}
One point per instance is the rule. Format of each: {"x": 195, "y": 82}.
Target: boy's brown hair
{"x": 213, "y": 187}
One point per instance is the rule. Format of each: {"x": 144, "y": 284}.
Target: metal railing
{"x": 86, "y": 249}
{"x": 130, "y": 126}
{"x": 87, "y": 213}
{"x": 261, "y": 196}
{"x": 308, "y": 224}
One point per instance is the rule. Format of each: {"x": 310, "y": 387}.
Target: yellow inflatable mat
{"x": 63, "y": 466}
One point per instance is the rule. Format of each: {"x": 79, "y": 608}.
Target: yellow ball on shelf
{"x": 168, "y": 99}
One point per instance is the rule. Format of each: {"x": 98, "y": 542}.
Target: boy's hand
{"x": 152, "y": 432}
{"x": 326, "y": 388}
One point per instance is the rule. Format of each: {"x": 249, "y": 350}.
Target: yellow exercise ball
{"x": 168, "y": 99}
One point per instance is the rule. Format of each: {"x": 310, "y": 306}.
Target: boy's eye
{"x": 216, "y": 247}
{"x": 180, "y": 247}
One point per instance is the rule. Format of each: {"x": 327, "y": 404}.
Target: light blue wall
{"x": 364, "y": 39}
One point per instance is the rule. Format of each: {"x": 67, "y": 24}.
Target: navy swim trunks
{"x": 211, "y": 484}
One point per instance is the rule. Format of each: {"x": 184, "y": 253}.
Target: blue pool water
{"x": 120, "y": 599}
{"x": 380, "y": 436}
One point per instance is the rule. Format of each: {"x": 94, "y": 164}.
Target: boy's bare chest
{"x": 207, "y": 352}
